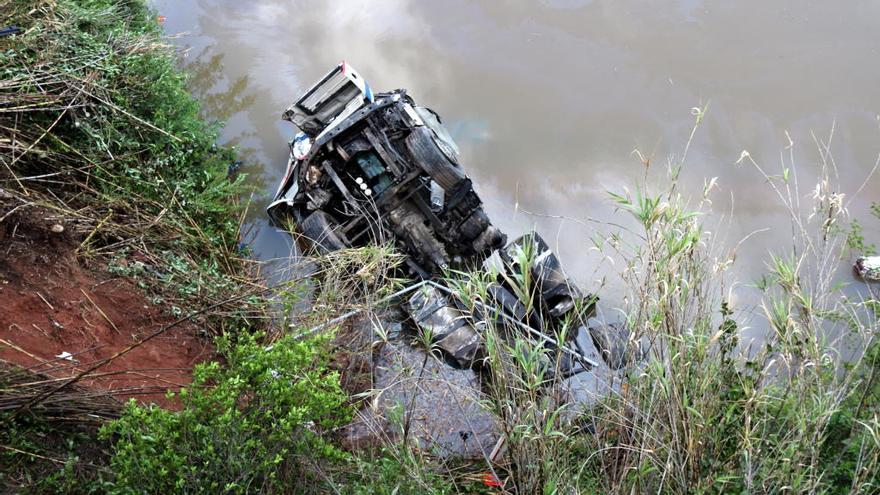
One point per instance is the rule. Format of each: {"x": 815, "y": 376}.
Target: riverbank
{"x": 120, "y": 236}
{"x": 117, "y": 218}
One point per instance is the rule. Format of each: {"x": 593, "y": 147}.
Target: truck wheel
{"x": 321, "y": 229}
{"x": 432, "y": 160}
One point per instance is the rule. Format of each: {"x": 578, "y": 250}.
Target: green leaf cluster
{"x": 251, "y": 426}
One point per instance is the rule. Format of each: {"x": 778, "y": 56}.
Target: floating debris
{"x": 868, "y": 268}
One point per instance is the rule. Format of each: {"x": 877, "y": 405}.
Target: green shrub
{"x": 98, "y": 95}
{"x": 251, "y": 426}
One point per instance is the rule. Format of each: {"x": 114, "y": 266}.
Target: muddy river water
{"x": 549, "y": 100}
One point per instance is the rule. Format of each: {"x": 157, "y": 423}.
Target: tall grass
{"x": 701, "y": 412}
{"x": 98, "y": 127}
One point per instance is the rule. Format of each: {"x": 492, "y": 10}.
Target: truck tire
{"x": 320, "y": 228}
{"x": 432, "y": 160}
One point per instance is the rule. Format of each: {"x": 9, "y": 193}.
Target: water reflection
{"x": 549, "y": 100}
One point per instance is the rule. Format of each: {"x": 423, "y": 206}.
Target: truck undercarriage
{"x": 376, "y": 168}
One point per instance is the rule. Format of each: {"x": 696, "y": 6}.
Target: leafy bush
{"x": 251, "y": 426}
{"x": 97, "y": 98}
{"x": 850, "y": 449}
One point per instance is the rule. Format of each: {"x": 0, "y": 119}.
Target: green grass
{"x": 700, "y": 414}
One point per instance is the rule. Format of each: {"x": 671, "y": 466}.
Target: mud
{"x": 51, "y": 303}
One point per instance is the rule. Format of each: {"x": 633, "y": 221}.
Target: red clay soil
{"x": 50, "y": 303}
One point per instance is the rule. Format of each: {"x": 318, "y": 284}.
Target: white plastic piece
{"x": 368, "y": 192}
{"x": 66, "y": 356}
{"x": 301, "y": 146}
{"x": 411, "y": 113}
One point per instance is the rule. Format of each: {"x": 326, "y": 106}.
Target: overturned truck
{"x": 369, "y": 168}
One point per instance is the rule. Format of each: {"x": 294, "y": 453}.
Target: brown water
{"x": 548, "y": 100}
